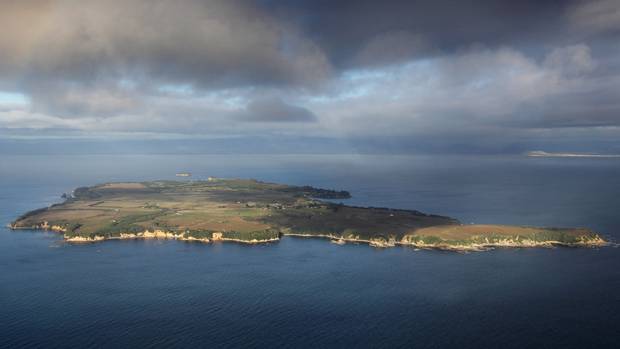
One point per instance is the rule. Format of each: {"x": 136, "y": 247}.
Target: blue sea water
{"x": 307, "y": 292}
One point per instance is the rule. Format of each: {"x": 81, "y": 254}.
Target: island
{"x": 251, "y": 211}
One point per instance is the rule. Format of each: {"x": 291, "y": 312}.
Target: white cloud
{"x": 476, "y": 88}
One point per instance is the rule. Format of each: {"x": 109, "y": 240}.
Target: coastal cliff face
{"x": 146, "y": 234}
{"x": 156, "y": 234}
{"x": 163, "y": 235}
{"x": 249, "y": 211}
{"x": 475, "y": 243}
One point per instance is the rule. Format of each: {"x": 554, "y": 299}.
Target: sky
{"x": 311, "y": 76}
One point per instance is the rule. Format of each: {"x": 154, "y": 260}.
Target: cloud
{"x": 596, "y": 15}
{"x": 571, "y": 60}
{"x": 23, "y": 119}
{"x": 474, "y": 93}
{"x": 74, "y": 101}
{"x": 204, "y": 43}
{"x": 392, "y": 47}
{"x": 275, "y": 110}
{"x": 480, "y": 98}
{"x": 440, "y": 73}
{"x": 345, "y": 29}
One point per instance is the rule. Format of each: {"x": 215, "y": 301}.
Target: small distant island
{"x": 544, "y": 154}
{"x": 251, "y": 211}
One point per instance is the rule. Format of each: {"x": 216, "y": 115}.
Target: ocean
{"x": 309, "y": 293}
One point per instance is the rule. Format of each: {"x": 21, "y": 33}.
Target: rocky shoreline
{"x": 406, "y": 241}
{"x": 504, "y": 243}
{"x": 147, "y": 234}
{"x": 160, "y": 235}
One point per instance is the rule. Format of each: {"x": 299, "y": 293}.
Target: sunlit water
{"x": 308, "y": 292}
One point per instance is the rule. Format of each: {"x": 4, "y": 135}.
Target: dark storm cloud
{"x": 345, "y": 28}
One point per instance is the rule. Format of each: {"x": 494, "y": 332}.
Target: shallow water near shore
{"x": 302, "y": 292}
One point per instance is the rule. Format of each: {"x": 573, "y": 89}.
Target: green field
{"x": 253, "y": 211}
